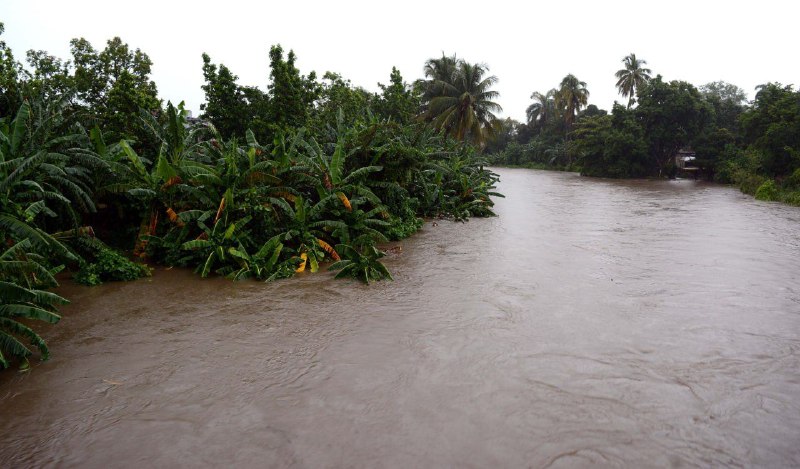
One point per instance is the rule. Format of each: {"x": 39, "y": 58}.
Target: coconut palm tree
{"x": 438, "y": 72}
{"x": 543, "y": 108}
{"x": 571, "y": 96}
{"x": 632, "y": 77}
{"x": 465, "y": 109}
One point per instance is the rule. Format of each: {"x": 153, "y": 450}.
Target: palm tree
{"x": 465, "y": 108}
{"x": 438, "y": 72}
{"x": 632, "y": 77}
{"x": 571, "y": 96}
{"x": 543, "y": 108}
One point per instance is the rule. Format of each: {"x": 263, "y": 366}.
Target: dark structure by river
{"x": 630, "y": 323}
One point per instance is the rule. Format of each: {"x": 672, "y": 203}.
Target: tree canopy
{"x": 633, "y": 77}
{"x": 459, "y": 99}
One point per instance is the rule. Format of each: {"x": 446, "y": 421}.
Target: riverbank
{"x": 760, "y": 187}
{"x": 786, "y": 191}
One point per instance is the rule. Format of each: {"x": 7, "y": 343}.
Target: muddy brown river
{"x": 593, "y": 323}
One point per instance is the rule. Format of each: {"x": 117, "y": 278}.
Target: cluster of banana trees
{"x": 45, "y": 178}
{"x": 269, "y": 211}
{"x": 240, "y": 209}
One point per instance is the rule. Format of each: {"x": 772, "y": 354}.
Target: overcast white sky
{"x": 529, "y": 46}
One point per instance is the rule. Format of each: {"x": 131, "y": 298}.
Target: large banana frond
{"x": 19, "y": 127}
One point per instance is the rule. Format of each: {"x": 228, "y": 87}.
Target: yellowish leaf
{"x": 345, "y": 201}
{"x": 302, "y": 266}
{"x": 329, "y": 249}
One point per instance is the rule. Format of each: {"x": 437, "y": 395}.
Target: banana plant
{"x": 214, "y": 245}
{"x": 247, "y": 175}
{"x": 238, "y": 187}
{"x": 43, "y": 158}
{"x": 306, "y": 229}
{"x": 178, "y": 140}
{"x": 22, "y": 274}
{"x": 157, "y": 188}
{"x": 327, "y": 172}
{"x": 285, "y": 147}
{"x": 265, "y": 264}
{"x": 473, "y": 186}
{"x": 431, "y": 191}
{"x": 361, "y": 224}
{"x": 147, "y": 186}
{"x": 160, "y": 186}
{"x": 362, "y": 264}
{"x": 41, "y": 176}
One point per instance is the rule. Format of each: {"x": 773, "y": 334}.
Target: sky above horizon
{"x": 528, "y": 46}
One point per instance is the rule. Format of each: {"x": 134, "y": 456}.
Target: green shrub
{"x": 793, "y": 181}
{"x": 401, "y": 228}
{"x": 747, "y": 181}
{"x": 792, "y": 198}
{"x": 767, "y": 191}
{"x": 725, "y": 173}
{"x": 110, "y": 265}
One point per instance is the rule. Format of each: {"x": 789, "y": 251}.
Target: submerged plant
{"x": 361, "y": 264}
{"x": 265, "y": 264}
{"x": 215, "y": 243}
{"x": 103, "y": 264}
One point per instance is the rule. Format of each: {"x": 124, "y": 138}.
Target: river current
{"x": 592, "y": 323}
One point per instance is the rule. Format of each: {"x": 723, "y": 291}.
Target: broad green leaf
{"x": 20, "y": 126}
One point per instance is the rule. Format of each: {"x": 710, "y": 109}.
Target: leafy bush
{"x": 401, "y": 228}
{"x": 792, "y": 198}
{"x": 793, "y": 181}
{"x": 767, "y": 191}
{"x": 109, "y": 265}
{"x": 747, "y": 181}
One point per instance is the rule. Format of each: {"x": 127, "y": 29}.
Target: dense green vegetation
{"x": 101, "y": 178}
{"x": 753, "y": 145}
{"x": 95, "y": 170}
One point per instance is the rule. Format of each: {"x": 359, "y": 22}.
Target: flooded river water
{"x": 594, "y": 322}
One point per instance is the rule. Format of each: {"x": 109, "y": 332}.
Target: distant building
{"x": 684, "y": 156}
{"x": 190, "y": 120}
{"x": 684, "y": 163}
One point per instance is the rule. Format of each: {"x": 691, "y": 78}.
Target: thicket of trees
{"x": 754, "y": 145}
{"x": 95, "y": 170}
